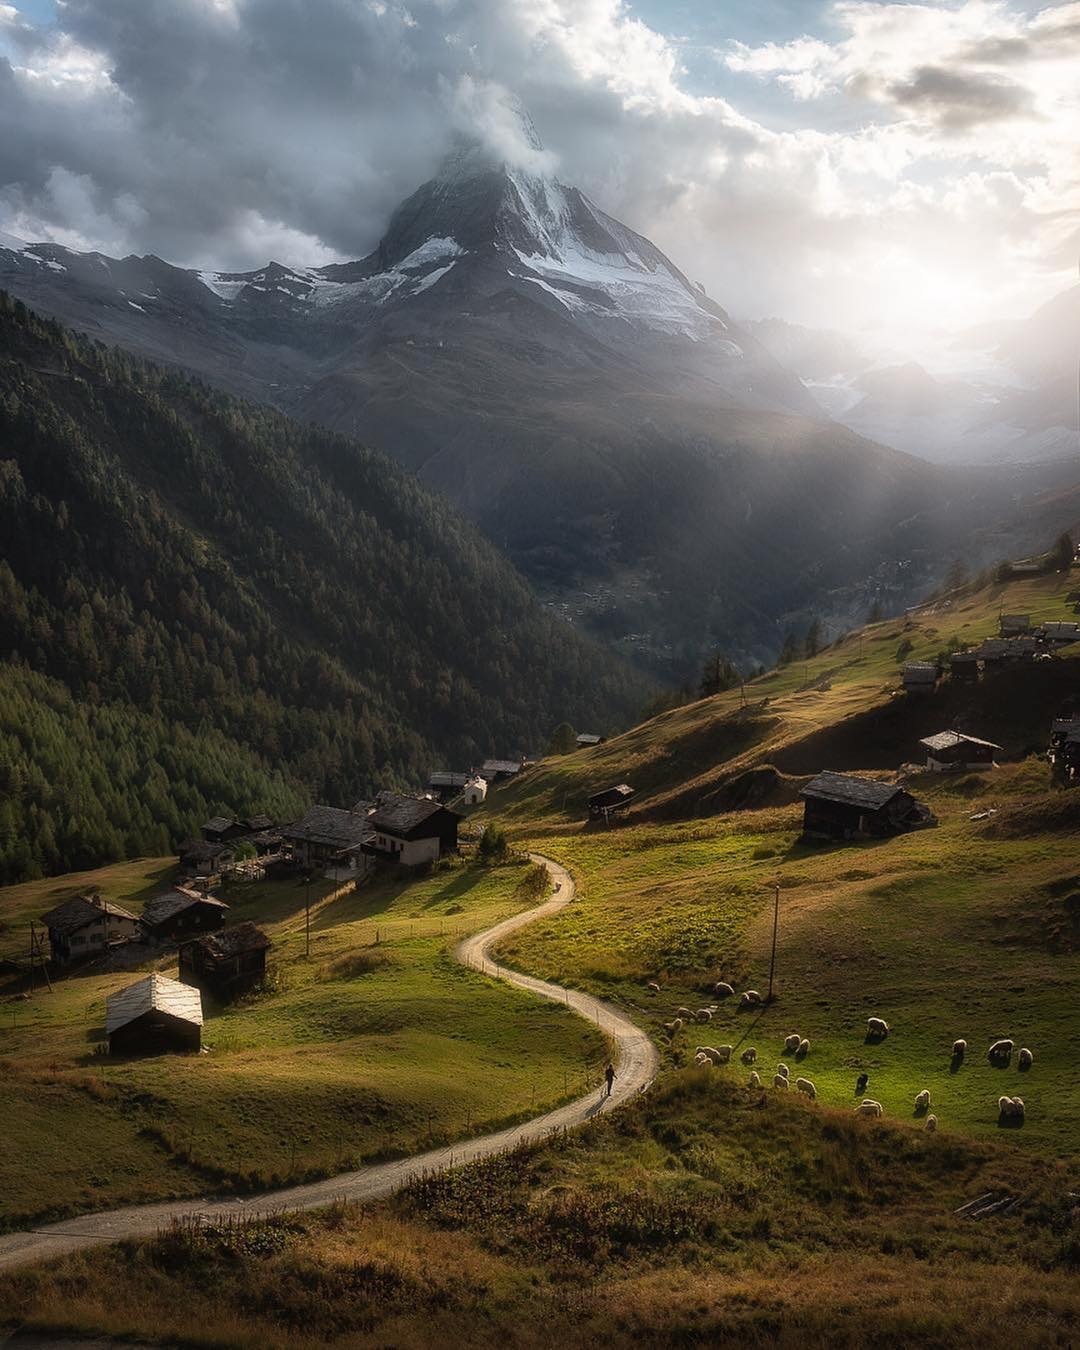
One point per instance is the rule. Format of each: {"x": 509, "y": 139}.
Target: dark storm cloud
{"x": 957, "y": 102}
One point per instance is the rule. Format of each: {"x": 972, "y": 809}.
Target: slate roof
{"x": 992, "y": 647}
{"x": 921, "y": 672}
{"x": 157, "y": 993}
{"x": 401, "y": 815}
{"x": 587, "y": 738}
{"x": 1061, "y": 629}
{"x": 848, "y": 791}
{"x": 218, "y": 824}
{"x": 164, "y": 907}
{"x": 495, "y": 766}
{"x": 443, "y": 778}
{"x": 256, "y": 824}
{"x": 205, "y": 849}
{"x": 1016, "y": 621}
{"x": 77, "y": 912}
{"x": 948, "y": 740}
{"x": 332, "y": 826}
{"x": 245, "y": 937}
{"x": 612, "y": 796}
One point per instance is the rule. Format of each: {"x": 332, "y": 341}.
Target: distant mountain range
{"x": 651, "y": 467}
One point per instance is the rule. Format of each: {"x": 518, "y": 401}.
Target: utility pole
{"x": 775, "y": 926}
{"x": 307, "y": 913}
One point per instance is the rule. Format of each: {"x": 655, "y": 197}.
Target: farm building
{"x": 587, "y": 738}
{"x": 501, "y": 770}
{"x": 992, "y": 652}
{"x": 225, "y": 964}
{"x": 1014, "y": 625}
{"x": 328, "y": 836}
{"x": 446, "y": 786}
{"x": 840, "y": 806}
{"x": 154, "y": 1016}
{"x": 475, "y": 791}
{"x": 964, "y": 666}
{"x": 610, "y": 802}
{"x": 200, "y": 858}
{"x": 412, "y": 830}
{"x": 1061, "y": 632}
{"x": 920, "y": 677}
{"x": 223, "y": 830}
{"x": 954, "y": 750}
{"x": 85, "y": 926}
{"x": 182, "y": 912}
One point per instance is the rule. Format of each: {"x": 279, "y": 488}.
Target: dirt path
{"x": 636, "y": 1063}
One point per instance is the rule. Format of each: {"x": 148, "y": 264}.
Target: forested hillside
{"x": 232, "y": 609}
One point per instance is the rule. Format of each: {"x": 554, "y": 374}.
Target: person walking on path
{"x": 609, "y": 1077}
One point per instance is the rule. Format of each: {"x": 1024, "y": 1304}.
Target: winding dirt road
{"x": 636, "y": 1064}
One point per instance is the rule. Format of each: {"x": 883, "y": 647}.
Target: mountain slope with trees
{"x": 273, "y": 596}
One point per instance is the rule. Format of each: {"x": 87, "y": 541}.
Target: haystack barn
{"x": 1014, "y": 625}
{"x": 182, "y": 912}
{"x": 610, "y": 802}
{"x": 964, "y": 666}
{"x": 226, "y": 964}
{"x": 920, "y": 677}
{"x": 500, "y": 770}
{"x": 153, "y": 1017}
{"x": 992, "y": 652}
{"x": 445, "y": 785}
{"x": 588, "y": 738}
{"x": 201, "y": 858}
{"x": 223, "y": 829}
{"x": 840, "y": 806}
{"x": 328, "y": 836}
{"x": 412, "y": 830}
{"x": 953, "y": 750}
{"x": 85, "y": 926}
{"x": 1061, "y": 632}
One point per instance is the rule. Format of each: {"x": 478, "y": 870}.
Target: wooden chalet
{"x": 992, "y": 652}
{"x": 329, "y": 836}
{"x": 1014, "y": 625}
{"x": 86, "y": 926}
{"x": 181, "y": 912}
{"x": 411, "y": 830}
{"x": 953, "y": 750}
{"x": 223, "y": 829}
{"x": 612, "y": 801}
{"x": 1061, "y": 632}
{"x": 588, "y": 738}
{"x": 964, "y": 666}
{"x": 841, "y": 806}
{"x": 225, "y": 964}
{"x": 501, "y": 770}
{"x": 445, "y": 786}
{"x": 205, "y": 860}
{"x": 154, "y": 1016}
{"x": 920, "y": 677}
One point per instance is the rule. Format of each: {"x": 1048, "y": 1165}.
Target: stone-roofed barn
{"x": 920, "y": 677}
{"x": 329, "y": 836}
{"x": 953, "y": 750}
{"x": 610, "y": 801}
{"x": 153, "y": 1016}
{"x": 182, "y": 911}
{"x": 841, "y": 806}
{"x": 85, "y": 925}
{"x": 412, "y": 830}
{"x": 226, "y": 964}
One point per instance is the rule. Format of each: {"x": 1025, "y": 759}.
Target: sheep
{"x": 922, "y": 1100}
{"x": 750, "y": 998}
{"x": 869, "y": 1107}
{"x": 1011, "y": 1108}
{"x": 1000, "y": 1052}
{"x": 877, "y": 1027}
{"x": 782, "y": 1069}
{"x": 725, "y": 1052}
{"x": 959, "y": 1049}
{"x": 701, "y": 1060}
{"x": 684, "y": 1013}
{"x": 805, "y": 1086}
{"x": 723, "y": 990}
{"x": 803, "y": 1049}
{"x": 1025, "y": 1059}
{"x": 779, "y": 1081}
{"x": 930, "y": 1124}
{"x": 715, "y": 1054}
{"x": 748, "y": 1055}
{"x": 653, "y": 987}
{"x": 755, "y": 1079}
{"x": 673, "y": 1027}
{"x": 703, "y": 1015}
{"x": 792, "y": 1042}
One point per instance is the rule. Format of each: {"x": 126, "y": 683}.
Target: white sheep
{"x": 803, "y": 1049}
{"x": 701, "y": 1060}
{"x": 780, "y": 1081}
{"x": 723, "y": 990}
{"x": 672, "y": 1027}
{"x": 805, "y": 1086}
{"x": 653, "y": 987}
{"x": 684, "y": 1013}
{"x": 869, "y": 1107}
{"x": 959, "y": 1049}
{"x": 703, "y": 1015}
{"x": 724, "y": 1052}
{"x": 922, "y": 1100}
{"x": 877, "y": 1026}
{"x": 793, "y": 1041}
{"x": 1000, "y": 1052}
{"x": 930, "y": 1124}
{"x": 750, "y": 998}
{"x": 748, "y": 1055}
{"x": 1025, "y": 1059}
{"x": 715, "y": 1054}
{"x": 782, "y": 1069}
{"x": 755, "y": 1079}
{"x": 1011, "y": 1108}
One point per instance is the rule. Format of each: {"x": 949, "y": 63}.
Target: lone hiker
{"x": 609, "y": 1076}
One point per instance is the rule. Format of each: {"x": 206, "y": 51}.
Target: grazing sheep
{"x": 803, "y": 1049}
{"x": 750, "y": 998}
{"x": 755, "y": 1079}
{"x": 672, "y": 1027}
{"x": 922, "y": 1100}
{"x": 1000, "y": 1052}
{"x": 877, "y": 1026}
{"x": 653, "y": 987}
{"x": 869, "y": 1107}
{"x": 701, "y": 1060}
{"x": 684, "y": 1013}
{"x": 725, "y": 1052}
{"x": 780, "y": 1081}
{"x": 723, "y": 989}
{"x": 716, "y": 1054}
{"x": 1011, "y": 1108}
{"x": 805, "y": 1086}
{"x": 703, "y": 1015}
{"x": 930, "y": 1124}
{"x": 959, "y": 1049}
{"x": 1025, "y": 1059}
{"x": 793, "y": 1041}
{"x": 748, "y": 1055}
{"x": 782, "y": 1069}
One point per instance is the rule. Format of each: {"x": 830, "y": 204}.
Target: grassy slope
{"x": 362, "y": 1051}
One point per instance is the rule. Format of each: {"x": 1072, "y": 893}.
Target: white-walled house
{"x": 85, "y": 925}
{"x": 475, "y": 791}
{"x": 411, "y": 830}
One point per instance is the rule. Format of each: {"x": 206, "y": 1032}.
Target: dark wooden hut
{"x": 610, "y": 802}
{"x": 154, "y": 1016}
{"x": 953, "y": 750}
{"x": 182, "y": 912}
{"x": 841, "y": 806}
{"x": 225, "y": 964}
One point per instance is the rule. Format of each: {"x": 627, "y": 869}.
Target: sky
{"x": 877, "y": 167}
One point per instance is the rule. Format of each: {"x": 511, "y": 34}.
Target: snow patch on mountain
{"x": 223, "y": 287}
